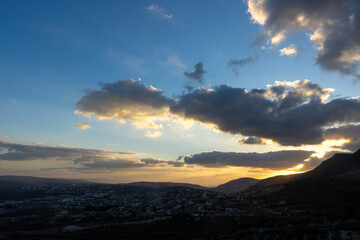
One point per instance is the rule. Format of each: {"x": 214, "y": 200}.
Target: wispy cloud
{"x": 82, "y": 158}
{"x": 197, "y": 74}
{"x": 289, "y": 50}
{"x": 153, "y": 134}
{"x": 10, "y": 151}
{"x": 252, "y": 140}
{"x": 234, "y": 64}
{"x": 83, "y": 126}
{"x": 174, "y": 61}
{"x": 134, "y": 63}
{"x": 159, "y": 12}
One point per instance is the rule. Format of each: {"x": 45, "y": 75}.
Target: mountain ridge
{"x": 345, "y": 165}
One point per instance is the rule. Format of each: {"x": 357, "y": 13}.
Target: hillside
{"x": 333, "y": 183}
{"x": 11, "y": 180}
{"x": 339, "y": 165}
{"x": 236, "y": 185}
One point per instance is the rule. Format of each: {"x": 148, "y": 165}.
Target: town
{"x": 71, "y": 208}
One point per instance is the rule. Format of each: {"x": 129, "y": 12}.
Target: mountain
{"x": 11, "y": 187}
{"x": 340, "y": 165}
{"x": 11, "y": 181}
{"x": 236, "y": 185}
{"x": 335, "y": 182}
{"x": 273, "y": 181}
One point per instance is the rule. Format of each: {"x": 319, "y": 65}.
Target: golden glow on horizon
{"x": 318, "y": 154}
{"x": 335, "y": 143}
{"x": 286, "y": 172}
{"x": 299, "y": 166}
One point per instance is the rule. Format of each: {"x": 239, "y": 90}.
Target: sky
{"x": 200, "y": 92}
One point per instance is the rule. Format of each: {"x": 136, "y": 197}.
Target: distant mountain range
{"x": 339, "y": 172}
{"x": 233, "y": 186}
{"x": 10, "y": 180}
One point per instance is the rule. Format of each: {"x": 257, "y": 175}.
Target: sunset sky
{"x": 200, "y": 92}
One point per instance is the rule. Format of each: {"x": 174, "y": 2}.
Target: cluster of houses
{"x": 96, "y": 202}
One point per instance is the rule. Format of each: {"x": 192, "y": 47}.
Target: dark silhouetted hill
{"x": 10, "y": 180}
{"x": 340, "y": 165}
{"x": 236, "y": 185}
{"x": 333, "y": 183}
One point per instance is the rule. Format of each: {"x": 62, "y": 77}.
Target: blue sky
{"x": 52, "y": 51}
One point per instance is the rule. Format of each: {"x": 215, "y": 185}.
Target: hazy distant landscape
{"x": 319, "y": 204}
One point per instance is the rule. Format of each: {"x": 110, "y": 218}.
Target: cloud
{"x": 290, "y": 113}
{"x": 270, "y": 160}
{"x": 113, "y": 164}
{"x": 197, "y": 73}
{"x": 174, "y": 61}
{"x": 83, "y": 159}
{"x": 349, "y": 132}
{"x": 234, "y": 64}
{"x": 289, "y": 50}
{"x": 159, "y": 12}
{"x": 134, "y": 63}
{"x": 83, "y": 126}
{"x": 23, "y": 152}
{"x": 153, "y": 134}
{"x": 126, "y": 100}
{"x": 252, "y": 140}
{"x": 333, "y": 27}
{"x": 154, "y": 161}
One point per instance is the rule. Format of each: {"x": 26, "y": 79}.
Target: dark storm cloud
{"x": 234, "y": 64}
{"x": 252, "y": 140}
{"x": 288, "y": 113}
{"x": 271, "y": 160}
{"x": 197, "y": 73}
{"x": 334, "y": 27}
